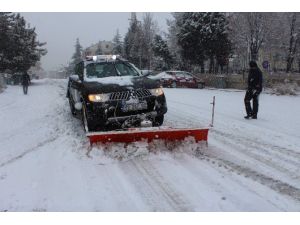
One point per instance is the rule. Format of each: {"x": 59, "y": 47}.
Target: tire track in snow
{"x": 274, "y": 184}
{"x": 266, "y": 152}
{"x": 223, "y": 171}
{"x": 174, "y": 198}
{"x": 250, "y": 150}
{"x": 30, "y": 150}
{"x": 154, "y": 189}
{"x": 250, "y": 146}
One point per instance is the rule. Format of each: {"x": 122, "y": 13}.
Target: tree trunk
{"x": 293, "y": 43}
{"x": 202, "y": 67}
{"x": 222, "y": 68}
{"x": 289, "y": 63}
{"x": 211, "y": 64}
{"x": 254, "y": 54}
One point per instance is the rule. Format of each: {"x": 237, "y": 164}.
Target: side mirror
{"x": 78, "y": 105}
{"x": 145, "y": 72}
{"x": 74, "y": 77}
{"x": 80, "y": 77}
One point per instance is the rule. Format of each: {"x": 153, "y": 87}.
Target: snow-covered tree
{"x": 190, "y": 39}
{"x": 138, "y": 39}
{"x": 249, "y": 31}
{"x": 203, "y": 36}
{"x": 218, "y": 45}
{"x": 77, "y": 56}
{"x": 175, "y": 49}
{"x": 5, "y": 38}
{"x": 161, "y": 51}
{"x": 294, "y": 37}
{"x": 149, "y": 29}
{"x": 20, "y": 49}
{"x": 117, "y": 44}
{"x": 132, "y": 41}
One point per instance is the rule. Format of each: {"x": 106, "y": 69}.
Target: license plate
{"x": 126, "y": 107}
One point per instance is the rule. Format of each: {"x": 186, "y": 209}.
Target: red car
{"x": 176, "y": 79}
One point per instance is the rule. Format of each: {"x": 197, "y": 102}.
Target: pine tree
{"x": 149, "y": 30}
{"x": 76, "y": 58}
{"x": 218, "y": 47}
{"x": 117, "y": 44}
{"x": 161, "y": 51}
{"x": 191, "y": 37}
{"x": 78, "y": 52}
{"x": 21, "y": 49}
{"x": 203, "y": 36}
{"x": 175, "y": 49}
{"x": 132, "y": 41}
{"x": 5, "y": 40}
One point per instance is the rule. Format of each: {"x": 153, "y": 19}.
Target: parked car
{"x": 147, "y": 72}
{"x": 110, "y": 93}
{"x": 176, "y": 79}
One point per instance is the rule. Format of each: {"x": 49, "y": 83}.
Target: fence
{"x": 239, "y": 81}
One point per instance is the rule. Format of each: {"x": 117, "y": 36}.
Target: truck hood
{"x": 118, "y": 84}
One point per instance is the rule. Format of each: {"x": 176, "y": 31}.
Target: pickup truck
{"x": 109, "y": 93}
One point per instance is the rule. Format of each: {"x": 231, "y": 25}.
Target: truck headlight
{"x": 156, "y": 91}
{"x": 98, "y": 97}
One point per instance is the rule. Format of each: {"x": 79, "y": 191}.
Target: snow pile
{"x": 123, "y": 152}
{"x": 285, "y": 89}
{"x": 119, "y": 80}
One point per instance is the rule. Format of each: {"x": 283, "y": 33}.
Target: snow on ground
{"x": 46, "y": 163}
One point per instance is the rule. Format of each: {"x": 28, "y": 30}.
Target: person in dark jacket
{"x": 253, "y": 90}
{"x": 25, "y": 82}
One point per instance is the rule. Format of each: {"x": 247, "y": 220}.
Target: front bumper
{"x": 105, "y": 113}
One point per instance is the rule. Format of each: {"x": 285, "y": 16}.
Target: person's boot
{"x": 248, "y": 116}
{"x": 254, "y": 116}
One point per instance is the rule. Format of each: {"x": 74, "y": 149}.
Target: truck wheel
{"x": 87, "y": 126}
{"x": 73, "y": 111}
{"x": 159, "y": 120}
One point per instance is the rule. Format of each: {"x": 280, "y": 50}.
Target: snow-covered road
{"x": 46, "y": 163}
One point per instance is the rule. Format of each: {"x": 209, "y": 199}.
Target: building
{"x": 101, "y": 48}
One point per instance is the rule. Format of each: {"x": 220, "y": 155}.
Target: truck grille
{"x": 119, "y": 95}
{"x": 140, "y": 93}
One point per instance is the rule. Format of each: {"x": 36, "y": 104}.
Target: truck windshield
{"x": 109, "y": 69}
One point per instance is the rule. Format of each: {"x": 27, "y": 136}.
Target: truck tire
{"x": 72, "y": 108}
{"x": 87, "y": 126}
{"x": 159, "y": 120}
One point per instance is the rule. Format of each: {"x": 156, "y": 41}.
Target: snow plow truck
{"x": 116, "y": 103}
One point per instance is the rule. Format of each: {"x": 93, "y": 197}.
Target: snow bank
{"x": 285, "y": 89}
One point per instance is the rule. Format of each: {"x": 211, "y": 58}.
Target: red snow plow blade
{"x": 138, "y": 134}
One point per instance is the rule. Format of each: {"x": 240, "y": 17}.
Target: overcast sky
{"x": 60, "y": 31}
